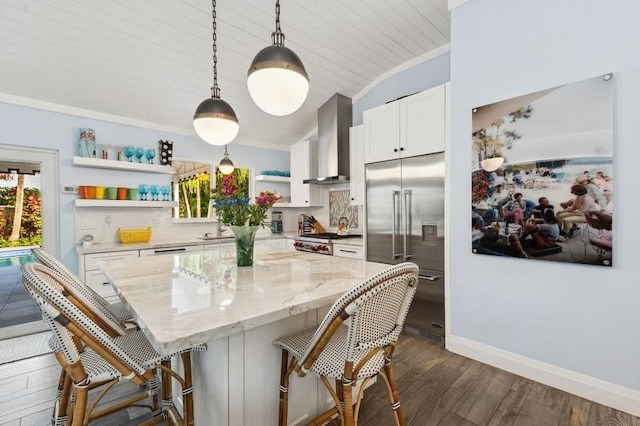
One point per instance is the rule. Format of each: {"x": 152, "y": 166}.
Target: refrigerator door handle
{"x": 407, "y": 223}
{"x": 429, "y": 277}
{"x": 396, "y": 201}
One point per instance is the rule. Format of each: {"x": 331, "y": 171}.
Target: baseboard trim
{"x": 600, "y": 391}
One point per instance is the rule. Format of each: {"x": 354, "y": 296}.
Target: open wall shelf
{"x": 99, "y": 163}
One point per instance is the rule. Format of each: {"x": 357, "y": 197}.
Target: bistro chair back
{"x": 354, "y": 343}
{"x": 92, "y": 357}
{"x": 81, "y": 289}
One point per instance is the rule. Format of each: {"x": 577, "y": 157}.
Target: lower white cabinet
{"x": 346, "y": 250}
{"x": 170, "y": 250}
{"x": 91, "y": 273}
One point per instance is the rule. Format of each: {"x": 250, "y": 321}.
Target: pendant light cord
{"x": 215, "y": 90}
{"x": 277, "y": 38}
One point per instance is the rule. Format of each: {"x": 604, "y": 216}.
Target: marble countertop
{"x": 192, "y": 298}
{"x": 114, "y": 247}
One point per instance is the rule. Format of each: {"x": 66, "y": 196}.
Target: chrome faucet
{"x": 221, "y": 229}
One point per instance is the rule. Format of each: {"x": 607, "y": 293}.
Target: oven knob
{"x": 325, "y": 248}
{"x": 314, "y": 248}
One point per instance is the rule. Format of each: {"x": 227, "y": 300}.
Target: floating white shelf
{"x": 122, "y": 203}
{"x": 275, "y": 179}
{"x": 99, "y": 163}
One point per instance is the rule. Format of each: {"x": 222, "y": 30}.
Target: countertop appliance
{"x": 411, "y": 230}
{"x": 318, "y": 243}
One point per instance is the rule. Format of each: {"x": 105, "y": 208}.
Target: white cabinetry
{"x": 356, "y": 164}
{"x": 170, "y": 250}
{"x": 92, "y": 275}
{"x": 411, "y": 126}
{"x": 303, "y": 166}
{"x": 350, "y": 251}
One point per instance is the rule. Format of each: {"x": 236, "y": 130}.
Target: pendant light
{"x": 277, "y": 80}
{"x": 491, "y": 164}
{"x": 226, "y": 166}
{"x": 215, "y": 121}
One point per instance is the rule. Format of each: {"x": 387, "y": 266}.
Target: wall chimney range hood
{"x": 334, "y": 121}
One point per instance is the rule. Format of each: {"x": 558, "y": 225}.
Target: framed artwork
{"x": 542, "y": 184}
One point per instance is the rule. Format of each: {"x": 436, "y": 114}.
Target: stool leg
{"x": 167, "y": 393}
{"x": 187, "y": 390}
{"x": 394, "y": 396}
{"x": 80, "y": 406}
{"x": 284, "y": 389}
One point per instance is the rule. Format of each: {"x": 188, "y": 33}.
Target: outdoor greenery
{"x": 30, "y": 229}
{"x": 193, "y": 200}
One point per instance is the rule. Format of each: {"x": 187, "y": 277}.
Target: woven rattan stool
{"x": 91, "y": 356}
{"x": 354, "y": 350}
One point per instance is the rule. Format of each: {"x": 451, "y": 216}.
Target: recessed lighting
{"x": 474, "y": 110}
{"x": 607, "y": 77}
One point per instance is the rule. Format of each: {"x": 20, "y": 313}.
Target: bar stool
{"x": 93, "y": 357}
{"x": 354, "y": 350}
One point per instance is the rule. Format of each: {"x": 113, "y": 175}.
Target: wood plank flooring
{"x": 437, "y": 388}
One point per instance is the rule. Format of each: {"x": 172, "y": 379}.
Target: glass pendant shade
{"x": 491, "y": 164}
{"x": 215, "y": 121}
{"x": 226, "y": 166}
{"x": 277, "y": 81}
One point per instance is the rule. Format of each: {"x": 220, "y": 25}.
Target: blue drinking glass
{"x": 150, "y": 154}
{"x": 154, "y": 190}
{"x": 139, "y": 153}
{"x": 129, "y": 152}
{"x": 143, "y": 189}
{"x": 165, "y": 190}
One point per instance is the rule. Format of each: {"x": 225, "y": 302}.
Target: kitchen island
{"x": 203, "y": 297}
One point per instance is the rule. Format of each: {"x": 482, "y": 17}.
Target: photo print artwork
{"x": 542, "y": 175}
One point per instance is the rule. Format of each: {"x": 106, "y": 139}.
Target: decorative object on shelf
{"x": 87, "y": 143}
{"x": 244, "y": 237}
{"x": 134, "y": 235}
{"x": 226, "y": 165}
{"x": 122, "y": 193}
{"x": 150, "y": 154}
{"x": 275, "y": 173}
{"x": 277, "y": 80}
{"x": 166, "y": 152}
{"x": 129, "y": 152}
{"x": 139, "y": 153}
{"x": 143, "y": 190}
{"x": 112, "y": 193}
{"x": 233, "y": 209}
{"x": 99, "y": 193}
{"x": 215, "y": 120}
{"x": 133, "y": 194}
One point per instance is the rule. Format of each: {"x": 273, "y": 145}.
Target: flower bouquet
{"x": 235, "y": 210}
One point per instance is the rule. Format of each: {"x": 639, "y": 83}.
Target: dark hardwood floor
{"x": 441, "y": 388}
{"x": 436, "y": 388}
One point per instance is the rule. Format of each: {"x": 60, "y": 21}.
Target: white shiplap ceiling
{"x": 150, "y": 61}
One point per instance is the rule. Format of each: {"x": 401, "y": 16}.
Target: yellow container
{"x": 134, "y": 235}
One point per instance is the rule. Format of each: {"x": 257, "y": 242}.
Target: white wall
{"x": 574, "y": 326}
{"x": 24, "y": 126}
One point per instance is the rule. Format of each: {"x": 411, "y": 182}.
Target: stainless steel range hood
{"x": 334, "y": 121}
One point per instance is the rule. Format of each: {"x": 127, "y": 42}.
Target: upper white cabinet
{"x": 356, "y": 164}
{"x": 303, "y": 166}
{"x": 411, "y": 126}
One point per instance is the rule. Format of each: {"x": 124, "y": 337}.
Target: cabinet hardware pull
{"x": 170, "y": 250}
{"x": 429, "y": 277}
{"x": 348, "y": 251}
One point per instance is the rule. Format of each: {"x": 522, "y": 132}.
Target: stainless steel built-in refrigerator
{"x": 405, "y": 222}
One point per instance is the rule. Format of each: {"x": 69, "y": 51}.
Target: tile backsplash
{"x": 339, "y": 206}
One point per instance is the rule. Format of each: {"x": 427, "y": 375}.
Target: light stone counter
{"x": 203, "y": 297}
{"x": 192, "y": 298}
{"x": 115, "y": 247}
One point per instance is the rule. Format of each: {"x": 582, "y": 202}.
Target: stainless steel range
{"x": 318, "y": 243}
